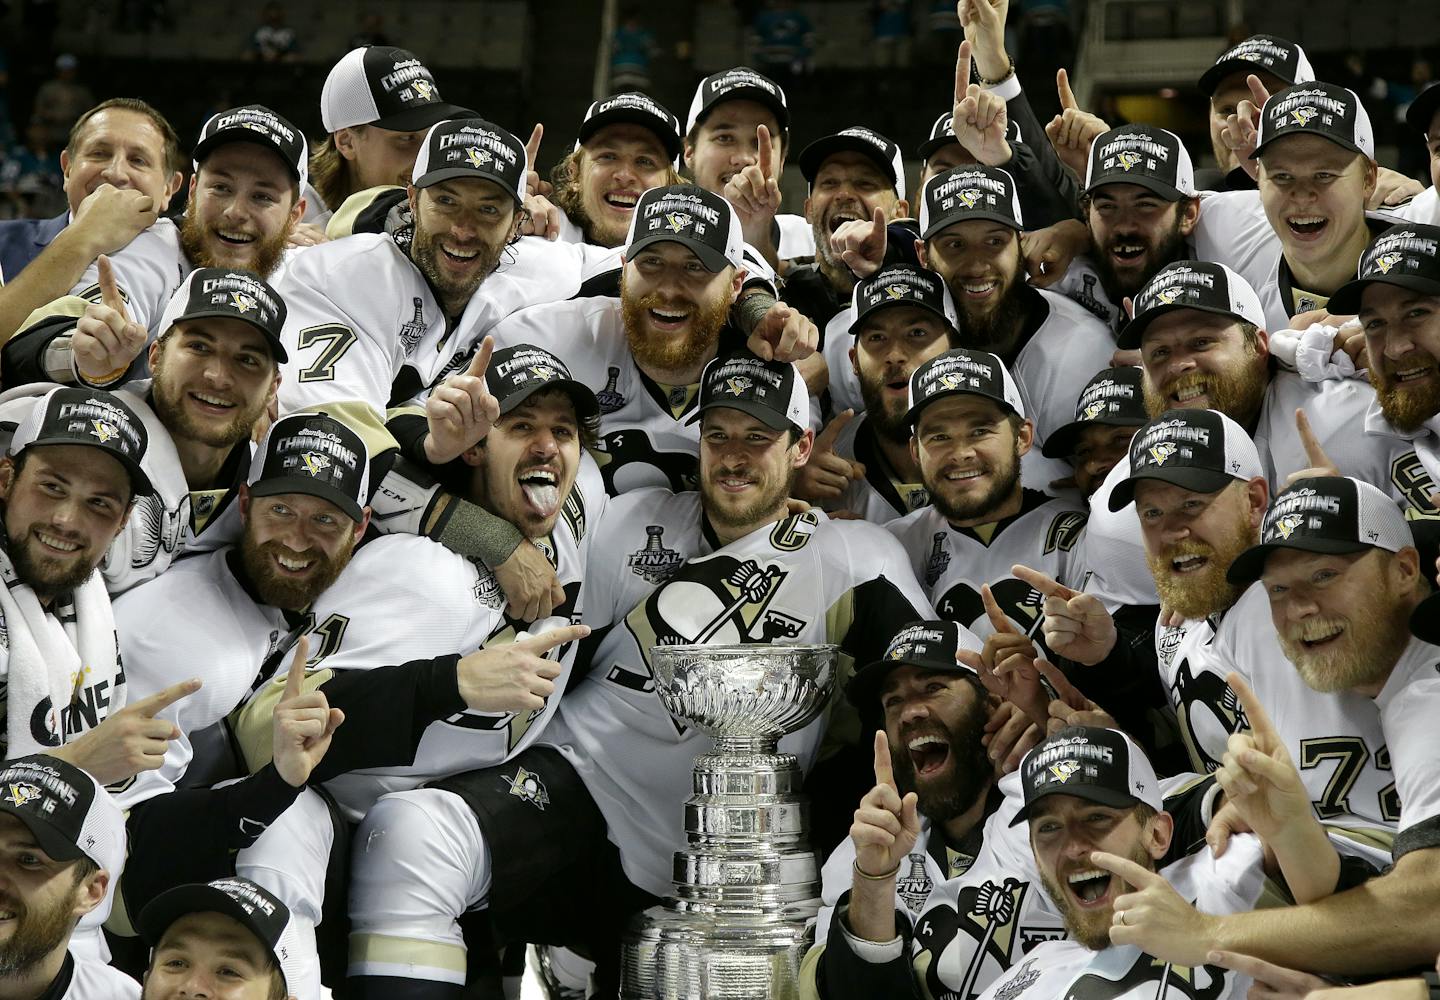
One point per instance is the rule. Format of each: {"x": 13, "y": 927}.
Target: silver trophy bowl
{"x": 747, "y": 883}
{"x": 747, "y": 693}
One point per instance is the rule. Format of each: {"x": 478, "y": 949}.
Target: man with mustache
{"x": 303, "y": 512}
{"x": 970, "y": 226}
{"x": 245, "y": 198}
{"x": 970, "y": 433}
{"x": 612, "y": 769}
{"x": 1338, "y": 565}
{"x": 62, "y": 847}
{"x": 645, "y": 351}
{"x": 932, "y": 782}
{"x": 904, "y": 316}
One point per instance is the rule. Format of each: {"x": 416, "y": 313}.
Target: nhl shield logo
{"x": 1065, "y": 769}
{"x": 20, "y": 794}
{"x": 103, "y": 429}
{"x": 1386, "y": 261}
{"x": 1128, "y": 160}
{"x": 315, "y": 463}
{"x": 1287, "y": 524}
{"x": 1162, "y": 452}
{"x": 1303, "y": 116}
{"x": 478, "y": 157}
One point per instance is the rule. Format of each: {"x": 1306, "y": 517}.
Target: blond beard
{"x": 1376, "y": 634}
{"x": 1091, "y": 930}
{"x": 1405, "y": 408}
{"x": 1205, "y": 592}
{"x": 1237, "y": 396}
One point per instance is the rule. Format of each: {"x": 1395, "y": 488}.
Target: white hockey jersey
{"x": 1408, "y": 704}
{"x": 658, "y": 576}
{"x": 953, "y": 563}
{"x": 364, "y": 324}
{"x": 1066, "y": 969}
{"x": 878, "y": 497}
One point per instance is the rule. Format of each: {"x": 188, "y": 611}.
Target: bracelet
{"x": 103, "y": 380}
{"x": 995, "y": 83}
{"x": 876, "y": 878}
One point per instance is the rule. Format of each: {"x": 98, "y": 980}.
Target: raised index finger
{"x": 1062, "y": 84}
{"x": 998, "y": 621}
{"x": 1257, "y": 91}
{"x": 295, "y": 679}
{"x": 962, "y": 71}
{"x": 161, "y": 700}
{"x": 1260, "y": 724}
{"x": 762, "y": 136}
{"x": 532, "y": 148}
{"x": 1047, "y": 585}
{"x": 109, "y": 291}
{"x": 1314, "y": 454}
{"x": 884, "y": 770}
{"x": 832, "y": 430}
{"x": 481, "y": 361}
{"x": 1128, "y": 870}
{"x": 546, "y": 641}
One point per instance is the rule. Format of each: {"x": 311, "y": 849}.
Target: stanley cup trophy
{"x": 747, "y": 882}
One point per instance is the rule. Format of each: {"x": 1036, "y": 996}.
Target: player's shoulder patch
{"x": 794, "y": 532}
{"x": 1065, "y": 530}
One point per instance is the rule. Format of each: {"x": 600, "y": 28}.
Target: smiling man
{"x": 1278, "y": 63}
{"x": 970, "y": 433}
{"x": 645, "y": 350}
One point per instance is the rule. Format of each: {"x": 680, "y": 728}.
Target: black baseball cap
{"x": 926, "y": 645}
{"x": 1407, "y": 255}
{"x": 771, "y": 391}
{"x": 1145, "y": 155}
{"x": 855, "y": 139}
{"x": 962, "y": 194}
{"x": 249, "y": 904}
{"x": 66, "y": 811}
{"x": 258, "y": 124}
{"x": 517, "y": 373}
{"x": 1315, "y": 108}
{"x": 962, "y": 372}
{"x": 229, "y": 294}
{"x": 739, "y": 83}
{"x": 386, "y": 87}
{"x": 633, "y": 108}
{"x": 902, "y": 285}
{"x": 1198, "y": 450}
{"x": 1088, "y": 762}
{"x": 472, "y": 149}
{"x": 1113, "y": 398}
{"x": 1279, "y": 57}
{"x": 691, "y": 216}
{"x": 942, "y": 133}
{"x": 78, "y": 415}
{"x": 315, "y": 454}
{"x": 1332, "y": 514}
{"x": 1202, "y": 285}
{"x": 1421, "y": 112}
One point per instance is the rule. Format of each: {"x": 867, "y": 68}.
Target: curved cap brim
{"x": 1346, "y": 299}
{"x": 1186, "y": 477}
{"x": 421, "y": 118}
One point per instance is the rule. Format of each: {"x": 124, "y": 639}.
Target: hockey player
{"x": 904, "y": 316}
{"x": 646, "y": 350}
{"x": 970, "y": 433}
{"x": 1278, "y": 63}
{"x": 1106, "y": 415}
{"x": 529, "y": 840}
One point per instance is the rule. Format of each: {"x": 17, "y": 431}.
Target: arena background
{"x": 883, "y": 63}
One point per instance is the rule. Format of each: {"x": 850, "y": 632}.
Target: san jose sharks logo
{"x": 243, "y": 302}
{"x": 1161, "y": 453}
{"x": 969, "y": 197}
{"x": 1128, "y": 160}
{"x": 424, "y": 89}
{"x": 1287, "y": 524}
{"x": 103, "y": 429}
{"x": 736, "y": 386}
{"x": 678, "y": 222}
{"x": 1303, "y": 116}
{"x": 21, "y": 793}
{"x": 1386, "y": 261}
{"x": 1064, "y": 770}
{"x": 478, "y": 157}
{"x": 315, "y": 463}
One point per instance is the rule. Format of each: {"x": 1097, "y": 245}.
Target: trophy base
{"x": 674, "y": 955}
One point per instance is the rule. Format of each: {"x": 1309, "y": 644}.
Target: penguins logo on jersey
{"x": 677, "y": 222}
{"x": 19, "y": 794}
{"x": 1065, "y": 770}
{"x": 1204, "y": 982}
{"x": 243, "y": 302}
{"x": 478, "y": 157}
{"x": 1128, "y": 160}
{"x": 952, "y": 965}
{"x": 962, "y": 603}
{"x": 527, "y": 786}
{"x": 1386, "y": 261}
{"x": 969, "y": 197}
{"x": 315, "y": 463}
{"x": 726, "y": 600}
{"x": 1303, "y": 116}
{"x": 1287, "y": 524}
{"x": 1161, "y": 452}
{"x": 736, "y": 386}
{"x": 102, "y": 430}
{"x": 1208, "y": 711}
